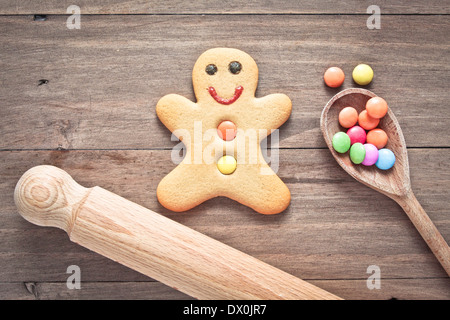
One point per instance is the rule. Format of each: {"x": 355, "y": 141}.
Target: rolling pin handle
{"x": 48, "y": 196}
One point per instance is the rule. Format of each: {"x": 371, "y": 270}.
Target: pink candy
{"x": 357, "y": 134}
{"x": 371, "y": 155}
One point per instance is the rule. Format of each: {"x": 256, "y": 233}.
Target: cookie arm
{"x": 275, "y": 109}
{"x": 173, "y": 110}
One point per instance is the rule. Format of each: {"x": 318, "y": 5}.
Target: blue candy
{"x": 386, "y": 159}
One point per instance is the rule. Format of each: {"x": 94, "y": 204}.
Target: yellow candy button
{"x": 227, "y": 164}
{"x": 362, "y": 74}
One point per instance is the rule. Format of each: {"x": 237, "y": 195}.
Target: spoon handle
{"x": 426, "y": 228}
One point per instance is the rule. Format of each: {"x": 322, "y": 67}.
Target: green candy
{"x": 357, "y": 153}
{"x": 341, "y": 142}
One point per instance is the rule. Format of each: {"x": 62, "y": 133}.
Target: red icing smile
{"x": 237, "y": 94}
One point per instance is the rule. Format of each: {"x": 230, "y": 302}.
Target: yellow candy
{"x": 227, "y": 164}
{"x": 362, "y": 74}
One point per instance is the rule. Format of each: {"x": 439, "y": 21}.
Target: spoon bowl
{"x": 395, "y": 182}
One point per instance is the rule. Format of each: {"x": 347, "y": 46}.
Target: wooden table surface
{"x": 94, "y": 117}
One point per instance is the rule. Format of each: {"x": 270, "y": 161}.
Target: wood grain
{"x": 219, "y": 7}
{"x": 366, "y": 227}
{"x": 104, "y": 80}
{"x": 433, "y": 289}
{"x": 146, "y": 290}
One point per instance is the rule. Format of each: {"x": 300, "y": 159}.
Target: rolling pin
{"x": 150, "y": 243}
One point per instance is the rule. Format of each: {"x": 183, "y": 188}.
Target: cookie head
{"x": 224, "y": 76}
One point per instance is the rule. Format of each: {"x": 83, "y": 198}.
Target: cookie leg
{"x": 184, "y": 188}
{"x": 264, "y": 193}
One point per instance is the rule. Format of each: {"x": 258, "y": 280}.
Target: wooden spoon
{"x": 395, "y": 182}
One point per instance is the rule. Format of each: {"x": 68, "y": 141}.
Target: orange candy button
{"x": 348, "y": 117}
{"x": 334, "y": 77}
{"x": 226, "y": 130}
{"x": 377, "y": 137}
{"x": 366, "y": 121}
{"x": 377, "y": 107}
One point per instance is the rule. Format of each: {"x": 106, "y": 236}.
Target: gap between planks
{"x": 170, "y": 148}
{"x": 223, "y": 14}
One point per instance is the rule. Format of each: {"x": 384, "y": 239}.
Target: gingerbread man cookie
{"x": 222, "y": 134}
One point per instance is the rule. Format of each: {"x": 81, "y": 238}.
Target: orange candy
{"x": 366, "y": 121}
{"x": 227, "y": 130}
{"x": 377, "y": 107}
{"x": 377, "y": 137}
{"x": 348, "y": 117}
{"x": 334, "y": 77}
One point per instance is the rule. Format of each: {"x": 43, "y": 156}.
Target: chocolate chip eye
{"x": 211, "y": 69}
{"x": 235, "y": 67}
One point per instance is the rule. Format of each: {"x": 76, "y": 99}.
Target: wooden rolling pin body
{"x": 151, "y": 243}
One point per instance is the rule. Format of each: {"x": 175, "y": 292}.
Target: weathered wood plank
{"x": 219, "y": 7}
{"x": 90, "y": 290}
{"x": 334, "y": 228}
{"x": 407, "y": 289}
{"x": 105, "y": 79}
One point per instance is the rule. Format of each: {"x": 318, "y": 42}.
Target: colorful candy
{"x": 365, "y": 148}
{"x": 226, "y": 130}
{"x": 357, "y": 134}
{"x": 348, "y": 117}
{"x": 341, "y": 142}
{"x": 334, "y": 77}
{"x": 362, "y": 74}
{"x": 377, "y": 137}
{"x": 357, "y": 153}
{"x": 371, "y": 155}
{"x": 377, "y": 107}
{"x": 366, "y": 121}
{"x": 386, "y": 159}
{"x": 227, "y": 164}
